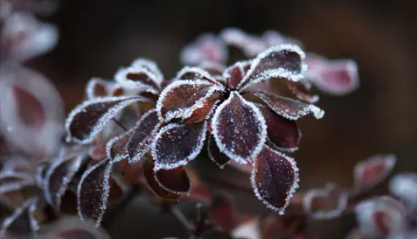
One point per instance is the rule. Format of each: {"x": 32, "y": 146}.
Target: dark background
{"x": 96, "y": 37}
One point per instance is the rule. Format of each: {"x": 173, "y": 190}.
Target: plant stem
{"x": 177, "y": 214}
{"x": 119, "y": 124}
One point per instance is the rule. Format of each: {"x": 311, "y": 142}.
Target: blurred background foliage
{"x": 98, "y": 36}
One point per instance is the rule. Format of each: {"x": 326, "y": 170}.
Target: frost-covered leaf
{"x": 174, "y": 180}
{"x": 22, "y": 222}
{"x": 239, "y": 128}
{"x": 274, "y": 179}
{"x": 206, "y": 48}
{"x": 288, "y": 108}
{"x": 301, "y": 89}
{"x": 142, "y": 136}
{"x": 177, "y": 144}
{"x": 326, "y": 203}
{"x": 336, "y": 77}
{"x": 31, "y": 111}
{"x": 116, "y": 147}
{"x": 87, "y": 120}
{"x": 283, "y": 61}
{"x": 59, "y": 176}
{"x": 194, "y": 73}
{"x": 149, "y": 173}
{"x": 381, "y": 216}
{"x": 234, "y": 74}
{"x": 93, "y": 192}
{"x": 12, "y": 181}
{"x": 282, "y": 132}
{"x": 404, "y": 186}
{"x": 214, "y": 153}
{"x": 151, "y": 66}
{"x": 181, "y": 98}
{"x": 97, "y": 87}
{"x": 138, "y": 79}
{"x": 373, "y": 170}
{"x": 24, "y": 37}
{"x": 72, "y": 228}
{"x": 223, "y": 211}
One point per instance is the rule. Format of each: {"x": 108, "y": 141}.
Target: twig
{"x": 119, "y": 124}
{"x": 177, "y": 214}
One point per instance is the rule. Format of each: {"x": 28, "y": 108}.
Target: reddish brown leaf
{"x": 238, "y": 128}
{"x": 214, "y": 153}
{"x": 174, "y": 180}
{"x": 97, "y": 87}
{"x": 21, "y": 223}
{"x": 142, "y": 136}
{"x": 282, "y": 132}
{"x": 148, "y": 170}
{"x": 274, "y": 179}
{"x": 181, "y": 98}
{"x": 286, "y": 107}
{"x": 373, "y": 170}
{"x": 87, "y": 120}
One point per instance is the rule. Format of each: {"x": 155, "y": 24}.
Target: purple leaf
{"x": 283, "y": 61}
{"x": 214, "y": 153}
{"x": 207, "y": 48}
{"x": 59, "y": 176}
{"x": 181, "y": 98}
{"x": 87, "y": 120}
{"x": 381, "y": 216}
{"x": 274, "y": 179}
{"x": 97, "y": 87}
{"x": 238, "y": 128}
{"x": 31, "y": 111}
{"x": 373, "y": 170}
{"x": 22, "y": 222}
{"x": 151, "y": 66}
{"x": 138, "y": 79}
{"x": 336, "y": 77}
{"x": 177, "y": 144}
{"x": 234, "y": 74}
{"x": 24, "y": 37}
{"x": 142, "y": 136}
{"x": 325, "y": 203}
{"x": 174, "y": 180}
{"x": 288, "y": 108}
{"x": 301, "y": 90}
{"x": 13, "y": 181}
{"x": 154, "y": 185}
{"x": 93, "y": 192}
{"x": 250, "y": 45}
{"x": 283, "y": 133}
{"x": 194, "y": 73}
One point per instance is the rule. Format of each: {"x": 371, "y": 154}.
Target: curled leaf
{"x": 87, "y": 120}
{"x": 138, "y": 79}
{"x": 238, "y": 128}
{"x": 12, "y": 181}
{"x": 31, "y": 111}
{"x": 336, "y": 77}
{"x": 177, "y": 144}
{"x": 174, "y": 180}
{"x": 381, "y": 216}
{"x": 97, "y": 87}
{"x": 24, "y": 37}
{"x": 288, "y": 108}
{"x": 283, "y": 133}
{"x": 274, "y": 179}
{"x": 373, "y": 170}
{"x": 149, "y": 173}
